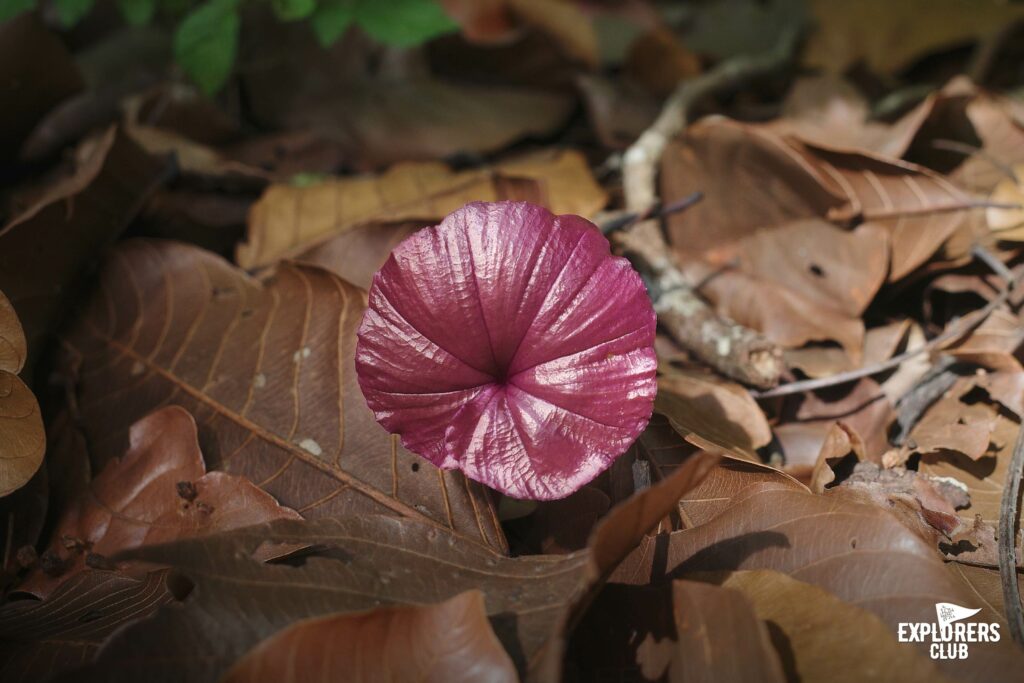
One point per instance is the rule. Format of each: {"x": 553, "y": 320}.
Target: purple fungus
{"x": 510, "y": 344}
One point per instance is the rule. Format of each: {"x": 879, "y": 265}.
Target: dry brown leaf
{"x": 12, "y": 338}
{"x": 785, "y": 316}
{"x": 840, "y": 442}
{"x": 877, "y": 32}
{"x": 993, "y": 343}
{"x": 288, "y": 220}
{"x": 863, "y": 407}
{"x": 267, "y": 369}
{"x": 356, "y": 254}
{"x": 659, "y": 62}
{"x": 839, "y": 269}
{"x": 711, "y": 412}
{"x": 39, "y": 639}
{"x": 369, "y": 561}
{"x": 449, "y": 641}
{"x": 1007, "y": 223}
{"x": 71, "y": 219}
{"x": 719, "y": 637}
{"x": 997, "y": 122}
{"x": 954, "y": 425}
{"x": 829, "y": 639}
{"x": 860, "y": 553}
{"x": 158, "y": 492}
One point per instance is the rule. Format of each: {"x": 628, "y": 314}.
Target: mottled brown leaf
{"x": 267, "y": 369}
{"x": 22, "y": 435}
{"x": 450, "y": 641}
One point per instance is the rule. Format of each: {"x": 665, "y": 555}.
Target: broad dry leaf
{"x": 788, "y": 317}
{"x": 357, "y": 254}
{"x": 840, "y": 269}
{"x": 876, "y": 31}
{"x": 159, "y": 491}
{"x": 719, "y": 637}
{"x": 951, "y": 424}
{"x": 39, "y": 639}
{"x": 997, "y": 121}
{"x": 70, "y": 221}
{"x": 828, "y": 639}
{"x": 992, "y": 344}
{"x": 711, "y": 412}
{"x": 860, "y": 553}
{"x": 840, "y": 442}
{"x": 862, "y": 406}
{"x": 288, "y": 220}
{"x": 1007, "y": 221}
{"x": 267, "y": 369}
{"x": 370, "y": 561}
{"x": 450, "y": 641}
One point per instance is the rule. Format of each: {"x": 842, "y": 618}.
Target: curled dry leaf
{"x": 267, "y": 369}
{"x": 952, "y": 424}
{"x": 450, "y": 641}
{"x": 719, "y": 637}
{"x": 860, "y": 553}
{"x": 12, "y": 338}
{"x": 510, "y": 344}
{"x": 365, "y": 562}
{"x": 74, "y": 218}
{"x": 159, "y": 491}
{"x": 288, "y": 220}
{"x": 711, "y": 412}
{"x": 41, "y": 639}
{"x": 827, "y": 638}
{"x": 992, "y": 344}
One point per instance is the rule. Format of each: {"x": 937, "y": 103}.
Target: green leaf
{"x": 403, "y": 23}
{"x": 12, "y": 8}
{"x": 331, "y": 19}
{"x": 206, "y": 42}
{"x": 293, "y": 10}
{"x": 137, "y": 12}
{"x": 70, "y": 12}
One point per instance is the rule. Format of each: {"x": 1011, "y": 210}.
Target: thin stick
{"x": 1008, "y": 542}
{"x": 627, "y": 220}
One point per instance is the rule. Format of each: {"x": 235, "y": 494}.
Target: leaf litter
{"x": 201, "y": 479}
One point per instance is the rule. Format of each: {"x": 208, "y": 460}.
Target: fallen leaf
{"x": 711, "y": 412}
{"x": 719, "y": 637}
{"x": 71, "y": 220}
{"x": 876, "y": 31}
{"x": 364, "y": 562}
{"x": 432, "y": 115}
{"x": 267, "y": 369}
{"x": 356, "y": 254}
{"x": 22, "y": 435}
{"x": 449, "y": 641}
{"x": 828, "y": 639}
{"x": 840, "y": 442}
{"x": 785, "y": 316}
{"x": 839, "y": 269}
{"x": 862, "y": 406}
{"x": 288, "y": 219}
{"x": 952, "y": 424}
{"x": 41, "y": 639}
{"x": 992, "y": 344}
{"x": 996, "y": 120}
{"x": 860, "y": 553}
{"x": 13, "y": 347}
{"x": 659, "y": 62}
{"x": 158, "y": 492}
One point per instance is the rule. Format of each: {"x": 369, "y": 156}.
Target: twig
{"x": 1008, "y": 541}
{"x": 627, "y": 219}
{"x": 953, "y": 331}
{"x": 735, "y": 351}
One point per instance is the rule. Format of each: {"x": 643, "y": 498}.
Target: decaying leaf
{"x": 449, "y": 641}
{"x": 288, "y": 220}
{"x": 159, "y": 491}
{"x": 267, "y": 369}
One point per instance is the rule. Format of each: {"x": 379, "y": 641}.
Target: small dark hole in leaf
{"x": 853, "y": 543}
{"x": 961, "y": 421}
{"x": 816, "y": 270}
{"x": 415, "y": 467}
{"x": 247, "y": 313}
